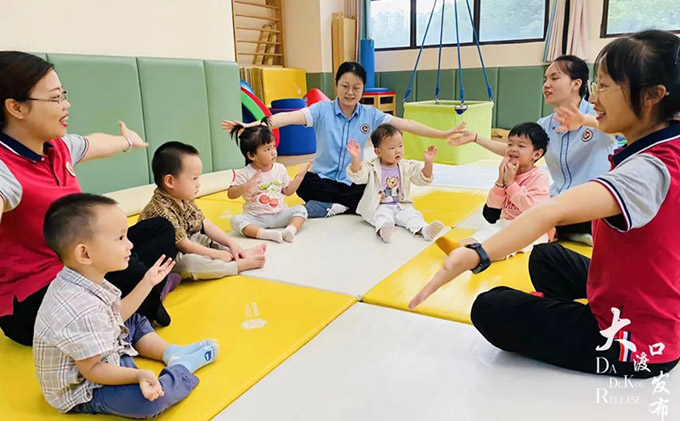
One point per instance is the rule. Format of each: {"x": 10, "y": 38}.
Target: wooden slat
{"x": 243, "y": 15}
{"x": 260, "y": 54}
{"x": 252, "y": 28}
{"x": 258, "y": 42}
{"x": 256, "y": 4}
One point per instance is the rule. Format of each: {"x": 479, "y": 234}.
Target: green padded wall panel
{"x": 323, "y": 82}
{"x": 427, "y": 83}
{"x": 398, "y": 82}
{"x": 475, "y": 87}
{"x": 224, "y": 103}
{"x": 103, "y": 91}
{"x": 520, "y": 95}
{"x": 175, "y": 100}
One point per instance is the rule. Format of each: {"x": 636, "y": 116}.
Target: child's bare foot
{"x": 446, "y": 245}
{"x": 258, "y": 250}
{"x": 385, "y": 232}
{"x": 251, "y": 262}
{"x": 431, "y": 231}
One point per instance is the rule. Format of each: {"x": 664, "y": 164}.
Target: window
{"x": 402, "y": 23}
{"x": 423, "y": 10}
{"x": 391, "y": 23}
{"x": 505, "y": 20}
{"x": 627, "y": 16}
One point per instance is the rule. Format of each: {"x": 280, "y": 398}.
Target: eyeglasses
{"x": 594, "y": 90}
{"x": 61, "y": 98}
{"x": 353, "y": 88}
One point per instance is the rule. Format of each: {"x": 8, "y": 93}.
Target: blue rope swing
{"x": 462, "y": 107}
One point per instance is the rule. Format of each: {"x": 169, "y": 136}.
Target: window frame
{"x": 605, "y": 22}
{"x": 415, "y": 44}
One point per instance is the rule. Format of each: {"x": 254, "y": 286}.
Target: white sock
{"x": 336, "y": 209}
{"x": 385, "y": 232}
{"x": 431, "y": 231}
{"x": 289, "y": 233}
{"x": 272, "y": 235}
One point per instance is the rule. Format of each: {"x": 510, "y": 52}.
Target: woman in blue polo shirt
{"x": 326, "y": 188}
{"x": 574, "y": 156}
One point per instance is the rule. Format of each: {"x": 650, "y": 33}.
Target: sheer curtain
{"x": 567, "y": 30}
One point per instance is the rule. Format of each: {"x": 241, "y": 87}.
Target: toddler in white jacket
{"x": 386, "y": 202}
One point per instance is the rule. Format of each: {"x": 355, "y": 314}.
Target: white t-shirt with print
{"x": 266, "y": 198}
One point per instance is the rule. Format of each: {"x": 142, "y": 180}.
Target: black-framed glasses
{"x": 61, "y": 98}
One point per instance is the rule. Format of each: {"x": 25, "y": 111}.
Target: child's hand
{"x": 462, "y": 138}
{"x": 509, "y": 173}
{"x": 304, "y": 169}
{"x": 429, "y": 154}
{"x": 149, "y": 385}
{"x": 354, "y": 149}
{"x": 158, "y": 271}
{"x": 569, "y": 117}
{"x": 237, "y": 252}
{"x": 224, "y": 255}
{"x": 501, "y": 173}
{"x": 254, "y": 180}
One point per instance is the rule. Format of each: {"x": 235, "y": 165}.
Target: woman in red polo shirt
{"x": 631, "y": 324}
{"x": 36, "y": 168}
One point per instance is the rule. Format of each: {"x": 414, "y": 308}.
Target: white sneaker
{"x": 336, "y": 209}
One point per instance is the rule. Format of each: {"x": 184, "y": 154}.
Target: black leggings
{"x": 582, "y": 228}
{"x": 314, "y": 187}
{"x": 554, "y": 329}
{"x": 151, "y": 239}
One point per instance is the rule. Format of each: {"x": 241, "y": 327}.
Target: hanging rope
{"x": 460, "y": 109}
{"x": 479, "y": 51}
{"x": 439, "y": 63}
{"x": 422, "y": 45}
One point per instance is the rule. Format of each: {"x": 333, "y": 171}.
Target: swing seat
{"x": 445, "y": 116}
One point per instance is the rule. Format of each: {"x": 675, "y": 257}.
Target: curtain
{"x": 578, "y": 37}
{"x": 567, "y": 30}
{"x": 553, "y": 39}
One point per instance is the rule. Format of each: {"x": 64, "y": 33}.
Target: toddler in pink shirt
{"x": 520, "y": 185}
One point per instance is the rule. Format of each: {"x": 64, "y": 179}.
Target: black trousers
{"x": 151, "y": 238}
{"x": 554, "y": 329}
{"x": 314, "y": 187}
{"x": 582, "y": 228}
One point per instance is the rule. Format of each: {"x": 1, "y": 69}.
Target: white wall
{"x": 307, "y": 26}
{"x": 326, "y": 10}
{"x": 152, "y": 28}
{"x": 302, "y": 34}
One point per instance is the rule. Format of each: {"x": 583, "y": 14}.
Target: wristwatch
{"x": 484, "y": 261}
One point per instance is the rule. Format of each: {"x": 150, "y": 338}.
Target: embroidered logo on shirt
{"x": 587, "y": 135}
{"x": 365, "y": 128}
{"x": 69, "y": 168}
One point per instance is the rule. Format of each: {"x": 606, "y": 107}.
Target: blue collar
{"x": 20, "y": 149}
{"x": 670, "y": 132}
{"x": 338, "y": 111}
